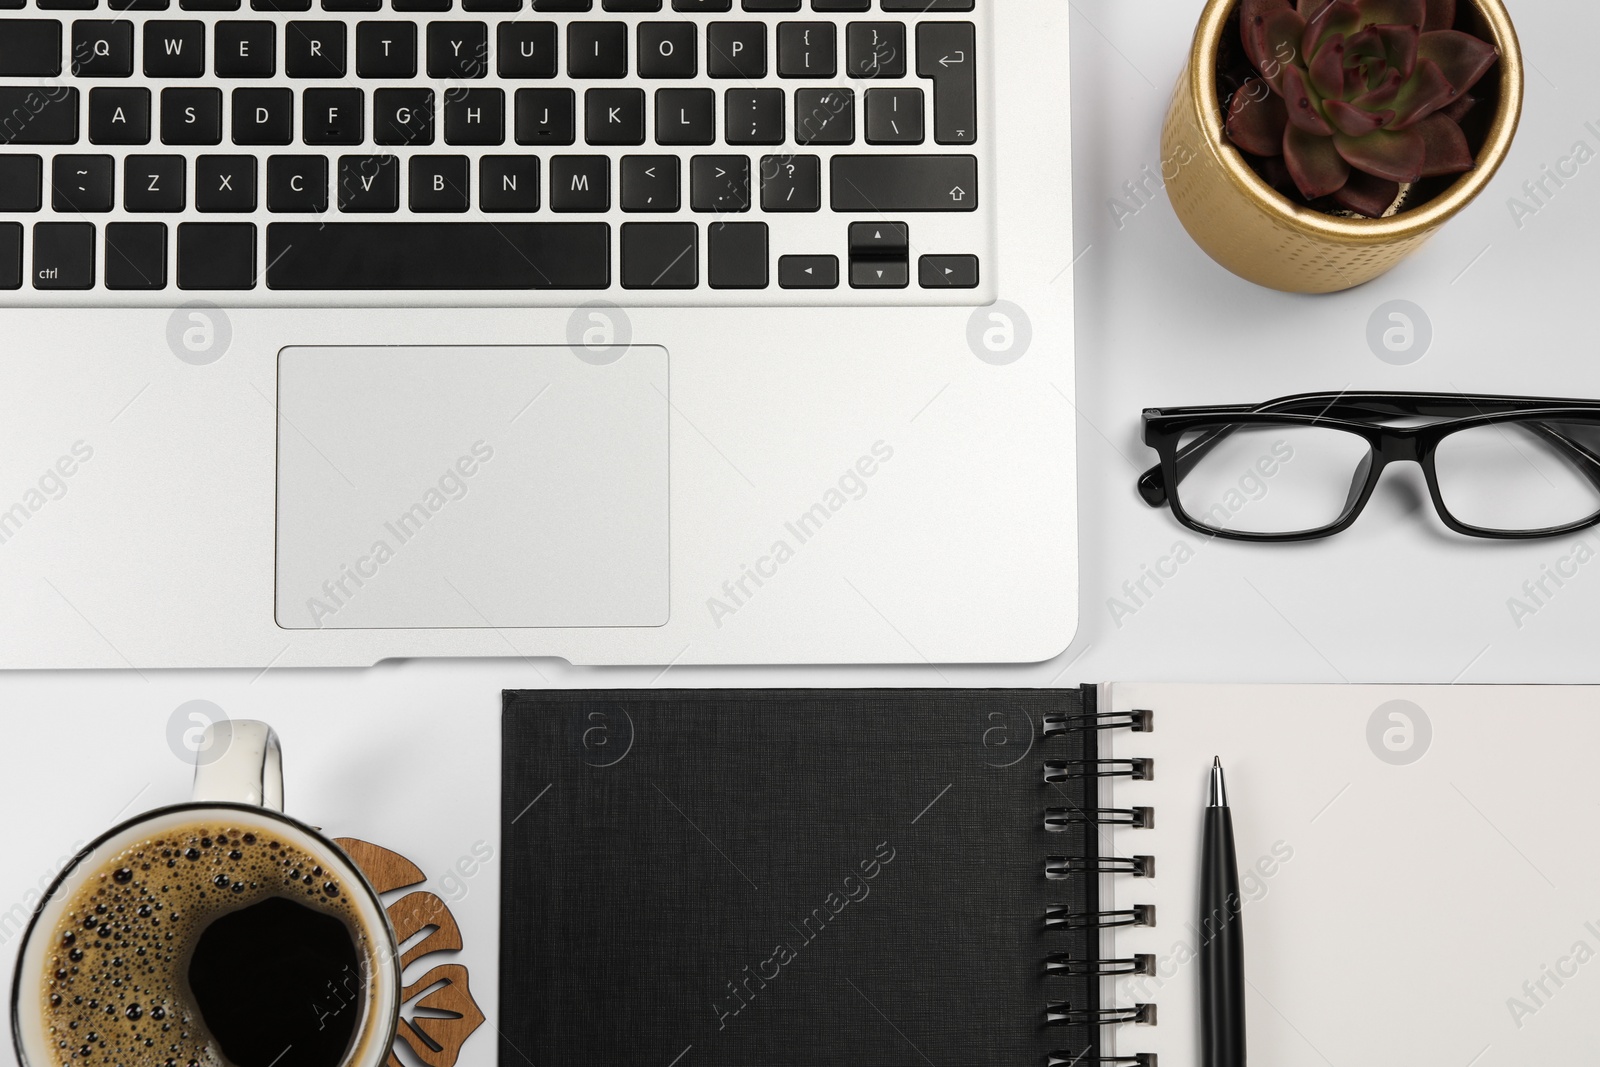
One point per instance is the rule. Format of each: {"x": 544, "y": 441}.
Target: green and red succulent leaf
{"x": 1356, "y": 97}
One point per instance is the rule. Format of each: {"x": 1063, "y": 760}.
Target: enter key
{"x": 945, "y": 53}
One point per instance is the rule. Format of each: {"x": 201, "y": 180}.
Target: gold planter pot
{"x": 1261, "y": 235}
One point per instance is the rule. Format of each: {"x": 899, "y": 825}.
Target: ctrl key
{"x": 63, "y": 255}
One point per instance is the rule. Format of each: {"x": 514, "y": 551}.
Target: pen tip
{"x": 1216, "y": 761}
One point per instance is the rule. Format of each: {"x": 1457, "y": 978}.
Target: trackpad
{"x": 471, "y": 487}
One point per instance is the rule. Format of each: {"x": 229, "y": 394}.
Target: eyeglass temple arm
{"x": 1153, "y": 483}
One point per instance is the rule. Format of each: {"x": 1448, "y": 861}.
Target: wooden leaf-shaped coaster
{"x": 437, "y": 1012}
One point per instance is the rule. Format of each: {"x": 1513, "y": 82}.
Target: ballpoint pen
{"x": 1221, "y": 936}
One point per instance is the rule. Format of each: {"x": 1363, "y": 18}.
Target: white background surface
{"x": 406, "y": 754}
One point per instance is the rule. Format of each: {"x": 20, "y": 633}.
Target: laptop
{"x": 619, "y": 331}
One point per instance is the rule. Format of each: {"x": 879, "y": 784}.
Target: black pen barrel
{"x": 1221, "y": 946}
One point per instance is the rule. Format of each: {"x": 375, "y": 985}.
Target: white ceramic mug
{"x": 239, "y": 792}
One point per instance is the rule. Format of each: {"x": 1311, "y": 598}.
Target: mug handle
{"x": 249, "y": 769}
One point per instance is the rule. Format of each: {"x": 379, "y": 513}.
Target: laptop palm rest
{"x": 438, "y": 487}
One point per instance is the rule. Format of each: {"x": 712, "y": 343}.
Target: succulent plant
{"x": 1357, "y": 96}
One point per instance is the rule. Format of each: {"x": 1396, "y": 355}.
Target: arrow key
{"x": 879, "y": 274}
{"x": 948, "y": 272}
{"x": 808, "y": 272}
{"x": 891, "y": 239}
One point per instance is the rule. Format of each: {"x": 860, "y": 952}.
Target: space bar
{"x": 438, "y": 255}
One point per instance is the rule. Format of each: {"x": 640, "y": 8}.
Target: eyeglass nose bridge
{"x": 1399, "y": 445}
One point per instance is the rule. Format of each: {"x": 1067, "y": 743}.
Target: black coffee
{"x": 278, "y": 982}
{"x": 207, "y": 946}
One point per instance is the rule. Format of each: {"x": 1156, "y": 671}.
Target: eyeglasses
{"x": 1305, "y": 466}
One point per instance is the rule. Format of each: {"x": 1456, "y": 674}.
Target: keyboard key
{"x": 68, "y": 5}
{"x": 36, "y": 117}
{"x": 879, "y": 274}
{"x": 386, "y": 50}
{"x": 209, "y": 5}
{"x": 82, "y": 184}
{"x": 736, "y": 255}
{"x": 582, "y": 5}
{"x": 946, "y": 52}
{"x": 153, "y": 183}
{"x": 10, "y": 255}
{"x": 526, "y": 50}
{"x": 119, "y": 115}
{"x": 352, "y": 5}
{"x": 651, "y": 183}
{"x": 491, "y": 5}
{"x": 660, "y": 255}
{"x": 948, "y": 272}
{"x": 315, "y": 49}
{"x": 686, "y": 116}
{"x": 825, "y": 116}
{"x": 475, "y": 117}
{"x": 246, "y": 49}
{"x": 438, "y": 255}
{"x": 458, "y": 50}
{"x": 755, "y": 116}
{"x": 439, "y": 183}
{"x": 31, "y": 48}
{"x": 889, "y": 239}
{"x": 791, "y": 183}
{"x": 280, "y": 5}
{"x": 102, "y": 48}
{"x": 895, "y": 116}
{"x": 420, "y": 5}
{"x": 225, "y": 184}
{"x": 21, "y": 183}
{"x": 808, "y": 50}
{"x": 402, "y": 116}
{"x": 597, "y": 49}
{"x": 668, "y": 50}
{"x": 369, "y": 183}
{"x": 808, "y": 272}
{"x": 174, "y": 49}
{"x": 719, "y": 184}
{"x": 702, "y": 5}
{"x": 875, "y": 50}
{"x": 614, "y": 116}
{"x": 332, "y": 116}
{"x": 580, "y": 183}
{"x": 923, "y": 6}
{"x": 217, "y": 255}
{"x": 263, "y": 116}
{"x": 63, "y": 255}
{"x": 297, "y": 184}
{"x": 508, "y": 184}
{"x": 736, "y": 50}
{"x": 546, "y": 116}
{"x": 772, "y": 5}
{"x": 905, "y": 183}
{"x": 841, "y": 5}
{"x": 136, "y": 255}
{"x": 191, "y": 116}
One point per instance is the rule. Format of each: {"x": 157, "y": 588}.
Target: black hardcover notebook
{"x": 808, "y": 878}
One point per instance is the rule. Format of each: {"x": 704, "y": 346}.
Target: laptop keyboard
{"x": 783, "y": 151}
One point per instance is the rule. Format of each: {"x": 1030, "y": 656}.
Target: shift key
{"x": 905, "y": 183}
{"x": 32, "y": 114}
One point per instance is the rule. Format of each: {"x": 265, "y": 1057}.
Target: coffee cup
{"x": 214, "y": 933}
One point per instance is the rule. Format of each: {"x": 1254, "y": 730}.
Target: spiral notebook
{"x": 963, "y": 878}
{"x": 883, "y": 878}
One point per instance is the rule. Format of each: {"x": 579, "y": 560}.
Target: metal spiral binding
{"x": 1060, "y": 917}
{"x": 1086, "y": 964}
{"x": 1058, "y": 819}
{"x": 1072, "y": 770}
{"x": 1065, "y": 963}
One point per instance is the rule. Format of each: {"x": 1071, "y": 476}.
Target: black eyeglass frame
{"x": 1165, "y": 428}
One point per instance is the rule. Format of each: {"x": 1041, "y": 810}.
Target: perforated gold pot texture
{"x": 1263, "y": 236}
